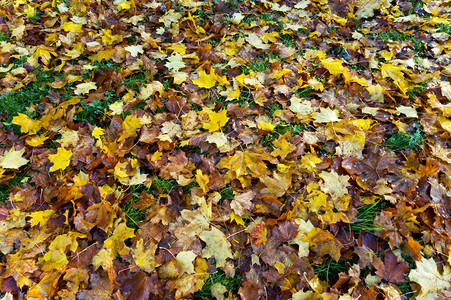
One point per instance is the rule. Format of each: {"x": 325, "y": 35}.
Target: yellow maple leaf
{"x": 202, "y": 180}
{"x": 326, "y": 115}
{"x": 217, "y": 246}
{"x": 126, "y": 5}
{"x": 392, "y": 71}
{"x": 334, "y": 66}
{"x": 129, "y": 126}
{"x": 60, "y": 160}
{"x": 13, "y": 159}
{"x": 84, "y": 88}
{"x": 265, "y": 126}
{"x": 150, "y": 89}
{"x": 283, "y": 148}
{"x": 97, "y": 132}
{"x": 144, "y": 256}
{"x": 185, "y": 261}
{"x": 71, "y": 26}
{"x": 27, "y": 125}
{"x": 430, "y": 279}
{"x": 110, "y": 39}
{"x": 37, "y": 140}
{"x": 29, "y": 11}
{"x": 206, "y": 80}
{"x": 217, "y": 119}
{"x": 40, "y": 217}
{"x": 156, "y": 156}
{"x": 134, "y": 50}
{"x": 116, "y": 242}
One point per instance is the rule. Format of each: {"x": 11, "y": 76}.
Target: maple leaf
{"x": 334, "y": 184}
{"x": 255, "y": 41}
{"x": 144, "y": 256}
{"x": 429, "y": 278}
{"x": 60, "y": 160}
{"x": 323, "y": 242}
{"x": 206, "y": 80}
{"x": 259, "y": 234}
{"x": 244, "y": 163}
{"x": 27, "y": 125}
{"x": 391, "y": 270}
{"x": 217, "y": 119}
{"x": 326, "y": 115}
{"x": 40, "y": 217}
{"x": 242, "y": 203}
{"x": 413, "y": 248}
{"x": 13, "y": 159}
{"x": 185, "y": 261}
{"x": 115, "y": 242}
{"x": 217, "y": 246}
{"x": 150, "y": 89}
{"x": 84, "y": 88}
{"x": 134, "y": 50}
{"x": 334, "y": 66}
{"x": 175, "y": 62}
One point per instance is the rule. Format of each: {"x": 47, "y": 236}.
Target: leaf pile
{"x": 240, "y": 149}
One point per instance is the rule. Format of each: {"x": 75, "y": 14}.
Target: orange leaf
{"x": 413, "y": 248}
{"x": 259, "y": 234}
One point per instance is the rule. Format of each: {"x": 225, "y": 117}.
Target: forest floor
{"x": 225, "y": 149}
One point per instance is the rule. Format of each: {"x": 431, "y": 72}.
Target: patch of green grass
{"x": 270, "y": 57}
{"x": 394, "y": 35}
{"x": 164, "y": 185}
{"x": 304, "y": 92}
{"x": 135, "y": 81}
{"x": 231, "y": 284}
{"x": 93, "y": 113}
{"x": 406, "y": 289}
{"x": 227, "y": 193}
{"x": 414, "y": 92}
{"x": 5, "y": 188}
{"x": 293, "y": 128}
{"x": 446, "y": 28}
{"x": 273, "y": 108}
{"x": 4, "y": 37}
{"x": 245, "y": 99}
{"x": 19, "y": 100}
{"x": 401, "y": 140}
{"x": 329, "y": 269}
{"x": 248, "y": 19}
{"x": 365, "y": 217}
{"x": 187, "y": 188}
{"x": 133, "y": 216}
{"x": 279, "y": 130}
{"x": 259, "y": 65}
{"x": 106, "y": 65}
{"x": 288, "y": 40}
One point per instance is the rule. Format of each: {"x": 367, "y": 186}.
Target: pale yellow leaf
{"x": 13, "y": 159}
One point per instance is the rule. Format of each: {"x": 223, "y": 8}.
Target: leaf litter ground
{"x": 225, "y": 149}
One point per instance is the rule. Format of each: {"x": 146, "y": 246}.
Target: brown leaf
{"x": 391, "y": 270}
